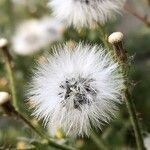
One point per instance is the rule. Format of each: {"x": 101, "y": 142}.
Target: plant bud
{"x": 4, "y": 98}
{"x": 3, "y": 42}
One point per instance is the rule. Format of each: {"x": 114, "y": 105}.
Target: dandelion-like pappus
{"x": 85, "y": 13}
{"x": 76, "y": 89}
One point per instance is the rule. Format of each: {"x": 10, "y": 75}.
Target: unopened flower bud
{"x": 5, "y": 103}
{"x": 116, "y": 39}
{"x": 4, "y": 98}
{"x": 3, "y": 42}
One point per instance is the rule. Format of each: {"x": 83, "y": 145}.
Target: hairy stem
{"x": 123, "y": 60}
{"x": 131, "y": 106}
{"x": 135, "y": 123}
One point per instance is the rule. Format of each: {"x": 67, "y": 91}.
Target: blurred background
{"x": 24, "y": 23}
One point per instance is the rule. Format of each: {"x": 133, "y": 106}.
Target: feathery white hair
{"x": 76, "y": 89}
{"x": 33, "y": 35}
{"x": 85, "y": 12}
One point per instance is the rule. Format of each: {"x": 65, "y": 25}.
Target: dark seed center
{"x": 79, "y": 90}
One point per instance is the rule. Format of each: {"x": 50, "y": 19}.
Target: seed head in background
{"x": 85, "y": 13}
{"x": 76, "y": 89}
{"x": 35, "y": 34}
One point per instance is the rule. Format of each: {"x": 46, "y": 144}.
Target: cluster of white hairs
{"x": 85, "y": 13}
{"x": 33, "y": 35}
{"x": 76, "y": 89}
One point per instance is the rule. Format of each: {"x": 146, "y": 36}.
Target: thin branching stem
{"x": 131, "y": 107}
{"x": 128, "y": 98}
{"x": 145, "y": 19}
{"x": 134, "y": 120}
{"x": 41, "y": 134}
{"x": 122, "y": 59}
{"x": 44, "y": 136}
{"x": 10, "y": 74}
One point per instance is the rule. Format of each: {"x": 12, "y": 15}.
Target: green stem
{"x": 98, "y": 141}
{"x": 7, "y": 58}
{"x": 42, "y": 135}
{"x": 11, "y": 109}
{"x": 131, "y": 107}
{"x": 122, "y": 59}
{"x": 134, "y": 120}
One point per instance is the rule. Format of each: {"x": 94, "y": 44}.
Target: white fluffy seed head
{"x": 3, "y": 42}
{"x": 82, "y": 13}
{"x": 33, "y": 35}
{"x": 4, "y": 97}
{"x": 76, "y": 89}
{"x": 115, "y": 37}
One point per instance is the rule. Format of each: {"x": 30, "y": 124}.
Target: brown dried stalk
{"x": 131, "y": 10}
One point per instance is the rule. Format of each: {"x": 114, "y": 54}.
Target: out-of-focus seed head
{"x": 85, "y": 13}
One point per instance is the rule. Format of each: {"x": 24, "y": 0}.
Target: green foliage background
{"x": 118, "y": 135}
